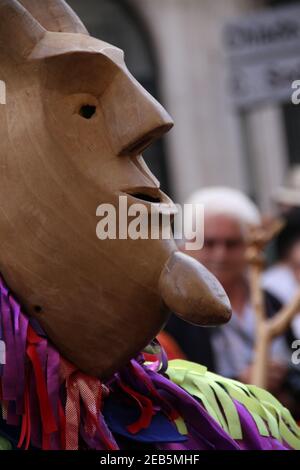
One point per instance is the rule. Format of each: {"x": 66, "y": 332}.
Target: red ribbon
{"x": 146, "y": 408}
{"x": 49, "y": 424}
{"x": 26, "y": 424}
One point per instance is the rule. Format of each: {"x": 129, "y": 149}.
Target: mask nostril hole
{"x": 87, "y": 111}
{"x": 37, "y": 308}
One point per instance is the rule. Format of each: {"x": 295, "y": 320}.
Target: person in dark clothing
{"x": 196, "y": 341}
{"x": 282, "y": 278}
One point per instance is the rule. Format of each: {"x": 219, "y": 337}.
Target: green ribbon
{"x": 217, "y": 394}
{"x": 5, "y": 444}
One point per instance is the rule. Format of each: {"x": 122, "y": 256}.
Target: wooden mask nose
{"x": 135, "y": 118}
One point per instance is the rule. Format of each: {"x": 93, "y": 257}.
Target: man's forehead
{"x": 57, "y": 44}
{"x": 221, "y": 222}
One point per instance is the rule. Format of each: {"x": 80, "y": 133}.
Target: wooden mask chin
{"x": 72, "y": 132}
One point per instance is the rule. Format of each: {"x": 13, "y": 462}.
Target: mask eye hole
{"x": 87, "y": 111}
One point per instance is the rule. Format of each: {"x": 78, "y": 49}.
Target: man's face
{"x": 224, "y": 248}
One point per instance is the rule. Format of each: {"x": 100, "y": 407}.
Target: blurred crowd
{"x": 229, "y": 349}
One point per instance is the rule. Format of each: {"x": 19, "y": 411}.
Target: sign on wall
{"x": 264, "y": 56}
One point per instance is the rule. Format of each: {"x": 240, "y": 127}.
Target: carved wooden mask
{"x": 71, "y": 136}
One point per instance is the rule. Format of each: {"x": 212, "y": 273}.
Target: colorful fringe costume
{"x": 48, "y": 404}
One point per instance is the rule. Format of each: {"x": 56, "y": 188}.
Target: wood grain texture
{"x": 98, "y": 301}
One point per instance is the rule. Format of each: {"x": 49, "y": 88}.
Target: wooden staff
{"x": 266, "y": 328}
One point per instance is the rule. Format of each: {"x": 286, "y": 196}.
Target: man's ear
{"x": 19, "y": 31}
{"x": 55, "y": 15}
